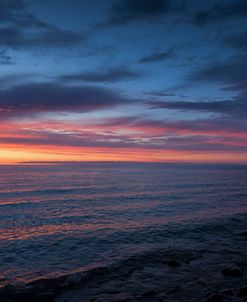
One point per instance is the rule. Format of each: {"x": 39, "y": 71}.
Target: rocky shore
{"x": 212, "y": 267}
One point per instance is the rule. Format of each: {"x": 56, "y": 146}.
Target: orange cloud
{"x": 120, "y": 140}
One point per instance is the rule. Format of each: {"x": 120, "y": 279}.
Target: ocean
{"x": 63, "y": 218}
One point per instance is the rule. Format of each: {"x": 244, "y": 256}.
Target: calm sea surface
{"x": 62, "y": 218}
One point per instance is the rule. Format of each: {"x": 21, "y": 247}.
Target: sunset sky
{"x": 123, "y": 80}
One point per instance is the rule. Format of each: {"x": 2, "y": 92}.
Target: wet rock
{"x": 242, "y": 233}
{"x": 74, "y": 279}
{"x": 173, "y": 263}
{"x": 227, "y": 292}
{"x": 242, "y": 292}
{"x": 148, "y": 293}
{"x": 112, "y": 291}
{"x": 233, "y": 271}
{"x": 123, "y": 297}
{"x": 45, "y": 297}
{"x": 217, "y": 297}
{"x": 174, "y": 289}
{"x": 18, "y": 292}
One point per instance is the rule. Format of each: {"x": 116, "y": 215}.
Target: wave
{"x": 20, "y": 291}
{"x": 211, "y": 247}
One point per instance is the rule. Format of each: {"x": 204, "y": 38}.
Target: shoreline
{"x": 178, "y": 273}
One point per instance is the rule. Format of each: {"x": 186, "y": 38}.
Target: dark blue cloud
{"x": 126, "y": 11}
{"x": 108, "y": 75}
{"x": 236, "y": 108}
{"x": 52, "y": 97}
{"x": 237, "y": 41}
{"x": 19, "y": 28}
{"x": 228, "y": 71}
{"x": 220, "y": 12}
{"x": 5, "y": 58}
{"x": 231, "y": 74}
{"x": 159, "y": 56}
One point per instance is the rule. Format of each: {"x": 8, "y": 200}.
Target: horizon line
{"x": 23, "y": 163}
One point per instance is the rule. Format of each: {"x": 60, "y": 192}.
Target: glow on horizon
{"x": 17, "y": 154}
{"x": 118, "y": 140}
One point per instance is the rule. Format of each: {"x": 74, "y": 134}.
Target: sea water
{"x": 60, "y": 218}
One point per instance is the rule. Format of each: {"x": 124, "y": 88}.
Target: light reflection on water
{"x": 55, "y": 219}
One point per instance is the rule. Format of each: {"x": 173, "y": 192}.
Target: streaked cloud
{"x": 109, "y": 75}
{"x": 20, "y": 29}
{"x": 159, "y": 56}
{"x": 35, "y": 98}
{"x": 220, "y": 12}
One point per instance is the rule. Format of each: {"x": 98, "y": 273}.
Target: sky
{"x": 123, "y": 80}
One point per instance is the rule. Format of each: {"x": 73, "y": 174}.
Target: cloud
{"x": 237, "y": 108}
{"x": 107, "y": 75}
{"x": 159, "y": 56}
{"x": 161, "y": 93}
{"x": 238, "y": 41}
{"x": 196, "y": 135}
{"x": 5, "y": 58}
{"x": 52, "y": 97}
{"x": 126, "y": 11}
{"x": 231, "y": 74}
{"x": 230, "y": 70}
{"x": 226, "y": 125}
{"x": 176, "y": 143}
{"x": 72, "y": 139}
{"x": 11, "y": 9}
{"x": 220, "y": 12}
{"x": 19, "y": 28}
{"x": 16, "y": 38}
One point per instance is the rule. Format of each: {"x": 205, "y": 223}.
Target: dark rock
{"x": 233, "y": 271}
{"x": 45, "y": 297}
{"x": 215, "y": 298}
{"x": 243, "y": 299}
{"x": 227, "y": 292}
{"x": 123, "y": 297}
{"x": 174, "y": 289}
{"x": 242, "y": 292}
{"x": 219, "y": 297}
{"x": 16, "y": 292}
{"x": 112, "y": 291}
{"x": 242, "y": 233}
{"x": 173, "y": 263}
{"x": 73, "y": 280}
{"x": 149, "y": 293}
